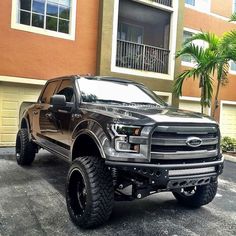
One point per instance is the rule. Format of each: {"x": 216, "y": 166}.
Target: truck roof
{"x": 109, "y": 78}
{"x": 104, "y": 78}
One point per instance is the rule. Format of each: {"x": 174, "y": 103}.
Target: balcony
{"x": 142, "y": 57}
{"x": 164, "y": 2}
{"x": 143, "y": 37}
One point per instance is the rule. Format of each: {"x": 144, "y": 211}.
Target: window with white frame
{"x": 52, "y": 15}
{"x": 200, "y": 43}
{"x": 56, "y": 18}
{"x": 201, "y": 5}
{"x": 234, "y": 6}
{"x": 233, "y": 66}
{"x": 187, "y": 58}
{"x": 190, "y": 2}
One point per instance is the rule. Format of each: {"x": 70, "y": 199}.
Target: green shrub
{"x": 228, "y": 144}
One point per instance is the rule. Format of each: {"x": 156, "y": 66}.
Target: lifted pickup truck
{"x": 124, "y": 143}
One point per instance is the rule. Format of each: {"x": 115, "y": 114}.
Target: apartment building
{"x": 210, "y": 16}
{"x": 42, "y": 39}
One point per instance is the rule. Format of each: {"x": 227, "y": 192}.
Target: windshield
{"x": 112, "y": 92}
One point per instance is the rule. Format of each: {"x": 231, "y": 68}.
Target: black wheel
{"x": 196, "y": 196}
{"x": 25, "y": 149}
{"x": 89, "y": 192}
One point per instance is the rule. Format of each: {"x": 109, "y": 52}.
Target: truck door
{"x": 63, "y": 116}
{"x": 42, "y": 124}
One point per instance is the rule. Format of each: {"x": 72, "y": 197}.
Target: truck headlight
{"x": 122, "y": 134}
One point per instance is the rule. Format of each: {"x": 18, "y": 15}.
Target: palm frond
{"x": 178, "y": 84}
{"x": 233, "y": 17}
{"x": 207, "y": 37}
{"x": 192, "y": 50}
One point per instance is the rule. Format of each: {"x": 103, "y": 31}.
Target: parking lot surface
{"x": 32, "y": 202}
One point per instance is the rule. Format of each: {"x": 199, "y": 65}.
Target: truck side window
{"x": 48, "y": 92}
{"x": 66, "y": 89}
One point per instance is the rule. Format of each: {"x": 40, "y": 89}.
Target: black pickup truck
{"x": 124, "y": 143}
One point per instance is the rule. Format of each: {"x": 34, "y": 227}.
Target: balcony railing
{"x": 142, "y": 57}
{"x": 164, "y": 2}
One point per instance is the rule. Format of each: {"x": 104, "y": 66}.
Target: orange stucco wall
{"x": 205, "y": 22}
{"x": 223, "y": 8}
{"x": 30, "y": 55}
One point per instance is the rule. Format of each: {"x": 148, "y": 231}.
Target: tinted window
{"x": 48, "y": 92}
{"x": 66, "y": 88}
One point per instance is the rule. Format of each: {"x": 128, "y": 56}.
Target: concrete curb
{"x": 7, "y": 151}
{"x": 229, "y": 158}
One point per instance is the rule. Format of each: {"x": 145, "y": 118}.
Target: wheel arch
{"x": 87, "y": 144}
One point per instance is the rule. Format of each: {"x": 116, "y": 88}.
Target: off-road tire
{"x": 203, "y": 195}
{"x": 89, "y": 182}
{"x": 25, "y": 149}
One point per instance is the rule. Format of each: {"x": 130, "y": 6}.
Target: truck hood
{"x": 148, "y": 115}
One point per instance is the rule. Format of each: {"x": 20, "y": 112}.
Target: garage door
{"x": 228, "y": 120}
{"x": 11, "y": 96}
{"x": 190, "y": 105}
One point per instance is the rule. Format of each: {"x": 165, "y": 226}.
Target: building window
{"x": 200, "y": 5}
{"x": 200, "y": 43}
{"x": 56, "y": 18}
{"x": 187, "y": 58}
{"x": 233, "y": 66}
{"x": 234, "y": 6}
{"x": 190, "y": 2}
{"x": 47, "y": 14}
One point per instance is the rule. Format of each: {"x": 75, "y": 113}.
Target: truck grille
{"x": 170, "y": 142}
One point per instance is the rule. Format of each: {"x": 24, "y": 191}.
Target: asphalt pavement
{"x": 32, "y": 202}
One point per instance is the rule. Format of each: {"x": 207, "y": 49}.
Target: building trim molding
{"x": 21, "y": 80}
{"x": 210, "y": 13}
{"x": 165, "y": 94}
{"x": 195, "y": 99}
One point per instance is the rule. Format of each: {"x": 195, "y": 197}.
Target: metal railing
{"x": 142, "y": 57}
{"x": 164, "y": 2}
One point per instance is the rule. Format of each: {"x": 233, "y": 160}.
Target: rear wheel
{"x": 196, "y": 196}
{"x": 25, "y": 149}
{"x": 89, "y": 192}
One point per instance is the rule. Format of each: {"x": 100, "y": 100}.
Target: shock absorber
{"x": 114, "y": 174}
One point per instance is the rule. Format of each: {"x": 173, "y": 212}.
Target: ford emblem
{"x": 194, "y": 142}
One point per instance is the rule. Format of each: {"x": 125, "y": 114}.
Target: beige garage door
{"x": 11, "y": 96}
{"x": 228, "y": 120}
{"x": 190, "y": 105}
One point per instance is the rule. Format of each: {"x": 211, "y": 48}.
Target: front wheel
{"x": 89, "y": 192}
{"x": 196, "y": 196}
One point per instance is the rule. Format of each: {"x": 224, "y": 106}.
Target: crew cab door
{"x": 41, "y": 124}
{"x": 54, "y": 122}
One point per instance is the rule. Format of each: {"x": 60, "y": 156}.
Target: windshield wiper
{"x": 145, "y": 104}
{"x": 111, "y": 101}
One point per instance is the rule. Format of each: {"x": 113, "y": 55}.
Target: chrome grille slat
{"x": 183, "y": 155}
{"x": 181, "y": 142}
{"x": 173, "y": 136}
{"x": 186, "y": 129}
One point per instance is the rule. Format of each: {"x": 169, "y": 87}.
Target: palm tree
{"x": 214, "y": 59}
{"x": 200, "y": 71}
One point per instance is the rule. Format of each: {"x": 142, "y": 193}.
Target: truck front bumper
{"x": 172, "y": 176}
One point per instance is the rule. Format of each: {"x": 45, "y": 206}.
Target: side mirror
{"x": 58, "y": 101}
